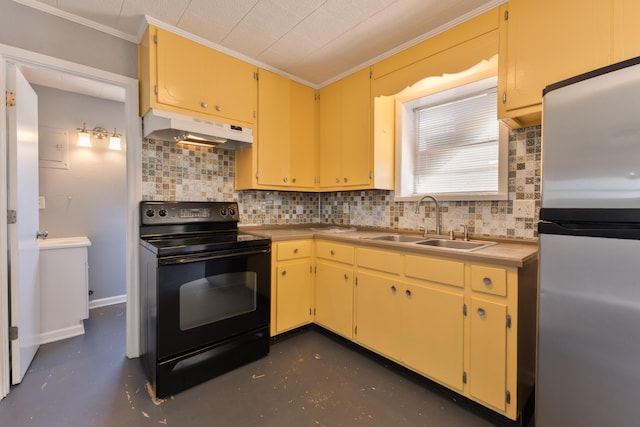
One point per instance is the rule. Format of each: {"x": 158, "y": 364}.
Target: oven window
{"x": 217, "y": 297}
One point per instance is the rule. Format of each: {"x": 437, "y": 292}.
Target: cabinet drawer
{"x": 435, "y": 270}
{"x": 335, "y": 251}
{"x": 388, "y": 262}
{"x": 293, "y": 250}
{"x": 491, "y": 280}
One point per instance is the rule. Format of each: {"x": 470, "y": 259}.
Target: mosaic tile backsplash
{"x": 180, "y": 172}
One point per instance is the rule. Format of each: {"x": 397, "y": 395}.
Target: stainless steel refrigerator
{"x": 588, "y": 360}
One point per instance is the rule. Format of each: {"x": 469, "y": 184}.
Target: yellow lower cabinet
{"x": 334, "y": 297}
{"x": 432, "y": 332}
{"x": 378, "y": 314}
{"x": 487, "y": 377}
{"x": 293, "y": 299}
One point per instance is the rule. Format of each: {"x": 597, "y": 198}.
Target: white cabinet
{"x": 64, "y": 287}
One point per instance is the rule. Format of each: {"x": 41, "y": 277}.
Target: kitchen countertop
{"x": 504, "y": 252}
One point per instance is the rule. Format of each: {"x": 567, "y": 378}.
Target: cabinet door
{"x": 234, "y": 88}
{"x": 303, "y": 136}
{"x": 334, "y": 298}
{"x": 551, "y": 40}
{"x": 626, "y": 31}
{"x": 180, "y": 76}
{"x": 356, "y": 129}
{"x": 488, "y": 352}
{"x": 274, "y": 125}
{"x": 378, "y": 314}
{"x": 432, "y": 325}
{"x": 330, "y": 136}
{"x": 293, "y": 300}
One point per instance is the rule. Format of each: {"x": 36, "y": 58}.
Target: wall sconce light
{"x": 84, "y": 137}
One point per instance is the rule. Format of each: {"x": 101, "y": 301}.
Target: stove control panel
{"x": 187, "y": 212}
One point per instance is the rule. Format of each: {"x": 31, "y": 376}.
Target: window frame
{"x": 443, "y": 89}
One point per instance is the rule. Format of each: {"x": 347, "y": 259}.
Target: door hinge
{"x": 10, "y": 99}
{"x": 256, "y": 175}
{"x": 310, "y": 269}
{"x": 13, "y": 333}
{"x": 464, "y": 309}
{"x": 506, "y": 15}
{"x": 155, "y": 39}
{"x": 508, "y": 397}
{"x": 256, "y": 76}
{"x": 509, "y": 321}
{"x": 464, "y": 377}
{"x": 356, "y": 280}
{"x": 314, "y": 311}
{"x": 370, "y": 175}
{"x": 12, "y": 216}
{"x": 356, "y": 330}
{"x": 310, "y": 312}
{"x": 317, "y": 96}
{"x": 370, "y": 74}
{"x": 155, "y": 89}
{"x": 504, "y": 97}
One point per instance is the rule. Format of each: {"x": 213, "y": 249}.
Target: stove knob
{"x": 162, "y": 212}
{"x": 223, "y": 211}
{"x": 232, "y": 212}
{"x": 150, "y": 213}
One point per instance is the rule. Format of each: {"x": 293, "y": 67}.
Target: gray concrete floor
{"x": 308, "y": 379}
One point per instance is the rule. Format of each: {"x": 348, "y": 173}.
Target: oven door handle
{"x": 210, "y": 256}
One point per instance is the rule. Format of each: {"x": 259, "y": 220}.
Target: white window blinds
{"x": 456, "y": 146}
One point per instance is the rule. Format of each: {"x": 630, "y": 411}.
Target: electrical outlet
{"x": 41, "y": 202}
{"x": 524, "y": 208}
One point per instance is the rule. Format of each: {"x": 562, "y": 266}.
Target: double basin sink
{"x": 461, "y": 245}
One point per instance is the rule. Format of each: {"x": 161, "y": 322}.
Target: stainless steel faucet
{"x": 428, "y": 196}
{"x": 466, "y": 231}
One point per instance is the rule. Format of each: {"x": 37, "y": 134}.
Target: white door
{"x": 22, "y": 159}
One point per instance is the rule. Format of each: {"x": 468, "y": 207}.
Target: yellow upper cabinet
{"x": 345, "y": 143}
{"x": 283, "y": 156}
{"x": 547, "y": 41}
{"x": 303, "y": 136}
{"x": 180, "y": 75}
{"x": 626, "y": 31}
{"x": 274, "y": 129}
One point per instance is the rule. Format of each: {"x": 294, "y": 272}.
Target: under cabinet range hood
{"x": 169, "y": 126}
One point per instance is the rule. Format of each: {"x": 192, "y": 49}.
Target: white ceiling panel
{"x": 213, "y": 20}
{"x": 315, "y": 41}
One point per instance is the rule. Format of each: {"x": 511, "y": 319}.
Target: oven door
{"x": 206, "y": 298}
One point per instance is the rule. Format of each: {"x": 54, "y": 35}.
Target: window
{"x": 451, "y": 144}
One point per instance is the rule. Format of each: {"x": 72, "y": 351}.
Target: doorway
{"x": 87, "y": 77}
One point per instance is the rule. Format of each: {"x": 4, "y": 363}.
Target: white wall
{"x": 36, "y": 31}
{"x": 88, "y": 199}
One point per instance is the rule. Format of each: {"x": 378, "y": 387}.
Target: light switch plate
{"x": 41, "y": 202}
{"x": 524, "y": 208}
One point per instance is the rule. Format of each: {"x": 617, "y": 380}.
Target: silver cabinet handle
{"x": 42, "y": 235}
{"x": 486, "y": 281}
{"x": 218, "y": 108}
{"x": 204, "y": 104}
{"x": 481, "y": 312}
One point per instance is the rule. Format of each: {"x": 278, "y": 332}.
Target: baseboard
{"x": 118, "y": 299}
{"x": 62, "y": 334}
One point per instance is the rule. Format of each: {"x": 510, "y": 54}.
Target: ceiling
{"x": 312, "y": 41}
